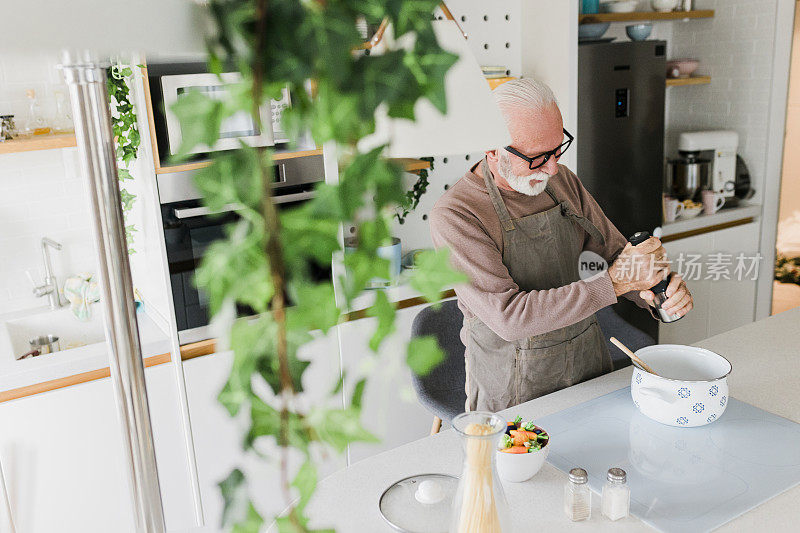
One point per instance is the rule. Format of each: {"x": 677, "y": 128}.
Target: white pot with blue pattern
{"x": 690, "y": 390}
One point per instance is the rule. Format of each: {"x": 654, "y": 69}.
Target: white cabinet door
{"x": 734, "y": 299}
{"x": 390, "y": 408}
{"x": 218, "y": 438}
{"x": 694, "y": 326}
{"x": 719, "y": 304}
{"x": 64, "y": 465}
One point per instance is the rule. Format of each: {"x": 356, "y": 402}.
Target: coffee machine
{"x": 717, "y": 147}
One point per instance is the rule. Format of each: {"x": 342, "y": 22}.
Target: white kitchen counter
{"x": 722, "y": 216}
{"x": 16, "y": 374}
{"x": 766, "y": 373}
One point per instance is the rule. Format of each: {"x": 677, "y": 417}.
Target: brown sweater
{"x": 465, "y": 221}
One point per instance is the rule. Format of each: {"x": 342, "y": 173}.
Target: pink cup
{"x": 712, "y": 202}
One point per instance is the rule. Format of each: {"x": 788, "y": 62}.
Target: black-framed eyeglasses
{"x": 540, "y": 160}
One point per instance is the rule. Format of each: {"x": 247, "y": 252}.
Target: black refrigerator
{"x": 620, "y": 138}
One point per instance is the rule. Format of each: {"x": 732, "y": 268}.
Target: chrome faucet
{"x": 50, "y": 286}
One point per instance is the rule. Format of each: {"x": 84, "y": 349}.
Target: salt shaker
{"x": 577, "y": 496}
{"x": 616, "y": 495}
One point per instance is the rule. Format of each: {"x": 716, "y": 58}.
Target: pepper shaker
{"x": 577, "y": 496}
{"x": 660, "y": 288}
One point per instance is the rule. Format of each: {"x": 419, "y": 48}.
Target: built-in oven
{"x": 190, "y": 228}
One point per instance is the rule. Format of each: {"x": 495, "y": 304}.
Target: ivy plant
{"x": 311, "y": 48}
{"x": 126, "y": 137}
{"x": 413, "y": 196}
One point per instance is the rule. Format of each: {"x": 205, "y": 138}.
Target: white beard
{"x": 521, "y": 183}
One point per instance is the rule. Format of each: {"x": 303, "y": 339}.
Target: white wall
{"x": 41, "y": 194}
{"x": 496, "y": 39}
{"x": 735, "y": 48}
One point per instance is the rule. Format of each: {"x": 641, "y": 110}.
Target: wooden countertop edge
{"x": 68, "y": 381}
{"x": 188, "y": 351}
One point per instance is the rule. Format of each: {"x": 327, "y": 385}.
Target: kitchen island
{"x": 766, "y": 373}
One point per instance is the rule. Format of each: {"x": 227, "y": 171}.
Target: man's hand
{"x": 679, "y": 300}
{"x": 639, "y": 267}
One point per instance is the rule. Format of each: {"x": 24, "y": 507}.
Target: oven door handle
{"x": 286, "y": 198}
{"x": 190, "y": 212}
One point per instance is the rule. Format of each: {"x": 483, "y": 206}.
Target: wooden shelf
{"x": 641, "y": 16}
{"x": 693, "y": 80}
{"x": 202, "y": 164}
{"x": 494, "y": 82}
{"x": 38, "y": 142}
{"x": 412, "y": 165}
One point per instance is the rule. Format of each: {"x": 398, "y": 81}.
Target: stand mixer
{"x": 715, "y": 147}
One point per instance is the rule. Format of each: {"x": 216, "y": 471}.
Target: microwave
{"x": 169, "y": 82}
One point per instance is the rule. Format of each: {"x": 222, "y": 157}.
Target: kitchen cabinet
{"x": 217, "y": 437}
{"x": 63, "y": 459}
{"x": 719, "y": 305}
{"x": 390, "y": 408}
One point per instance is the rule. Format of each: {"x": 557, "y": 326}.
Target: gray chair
{"x": 442, "y": 391}
{"x": 614, "y": 325}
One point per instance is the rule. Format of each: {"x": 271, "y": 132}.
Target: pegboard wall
{"x": 493, "y": 30}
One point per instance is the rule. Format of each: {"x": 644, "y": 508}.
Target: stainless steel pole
{"x": 86, "y": 80}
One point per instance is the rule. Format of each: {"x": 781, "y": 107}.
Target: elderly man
{"x": 515, "y": 224}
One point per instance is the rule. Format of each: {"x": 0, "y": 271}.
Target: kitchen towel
{"x": 81, "y": 292}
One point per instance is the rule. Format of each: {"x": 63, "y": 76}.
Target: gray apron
{"x": 541, "y": 252}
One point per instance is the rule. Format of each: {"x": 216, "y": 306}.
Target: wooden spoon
{"x": 632, "y": 355}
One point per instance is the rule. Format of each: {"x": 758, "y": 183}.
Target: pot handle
{"x": 657, "y": 394}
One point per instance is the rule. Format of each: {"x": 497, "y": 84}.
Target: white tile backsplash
{"x": 735, "y": 48}
{"x": 41, "y": 193}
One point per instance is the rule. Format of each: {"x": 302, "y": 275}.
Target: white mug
{"x": 672, "y": 208}
{"x": 712, "y": 202}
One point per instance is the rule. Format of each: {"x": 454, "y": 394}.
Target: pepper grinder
{"x": 659, "y": 289}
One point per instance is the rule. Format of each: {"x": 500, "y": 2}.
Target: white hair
{"x": 523, "y": 93}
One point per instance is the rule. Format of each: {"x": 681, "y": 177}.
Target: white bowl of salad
{"x": 523, "y": 450}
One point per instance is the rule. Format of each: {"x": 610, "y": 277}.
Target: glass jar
{"x": 616, "y": 495}
{"x": 35, "y": 123}
{"x": 577, "y": 496}
{"x": 62, "y": 122}
{"x": 480, "y": 503}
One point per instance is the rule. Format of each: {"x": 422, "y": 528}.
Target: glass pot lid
{"x": 419, "y": 504}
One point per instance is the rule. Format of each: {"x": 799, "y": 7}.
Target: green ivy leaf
{"x": 200, "y": 117}
{"x": 385, "y": 312}
{"x": 237, "y": 268}
{"x": 339, "y": 427}
{"x": 251, "y": 524}
{"x": 235, "y": 499}
{"x": 434, "y": 274}
{"x": 315, "y": 307}
{"x": 358, "y": 393}
{"x": 305, "y": 481}
{"x": 424, "y": 355}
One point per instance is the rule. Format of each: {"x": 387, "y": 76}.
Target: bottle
{"x": 616, "y": 495}
{"x": 577, "y": 496}
{"x": 35, "y": 125}
{"x": 660, "y": 288}
{"x": 62, "y": 123}
{"x": 480, "y": 503}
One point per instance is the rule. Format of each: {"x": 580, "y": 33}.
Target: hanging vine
{"x": 267, "y": 254}
{"x": 126, "y": 138}
{"x": 413, "y": 196}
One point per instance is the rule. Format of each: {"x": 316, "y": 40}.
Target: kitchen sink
{"x": 16, "y": 332}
